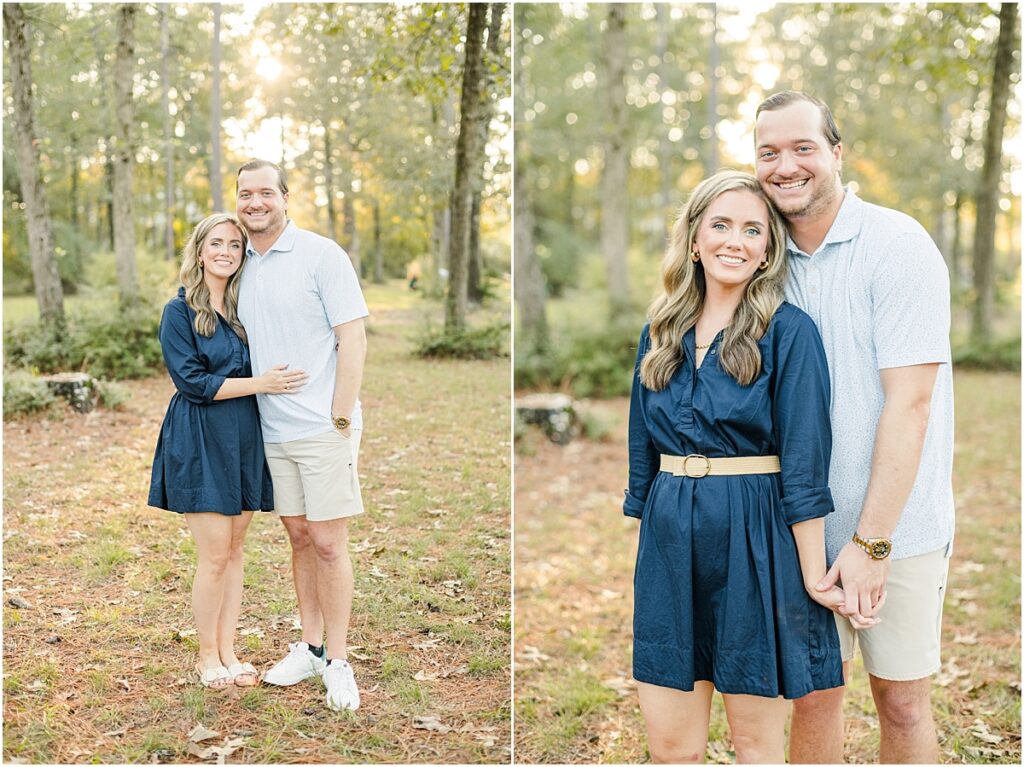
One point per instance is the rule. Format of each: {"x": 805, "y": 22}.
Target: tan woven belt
{"x": 697, "y": 466}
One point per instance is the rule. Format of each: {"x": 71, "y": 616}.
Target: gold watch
{"x": 876, "y": 548}
{"x": 341, "y": 422}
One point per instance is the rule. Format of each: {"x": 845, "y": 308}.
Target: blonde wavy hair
{"x": 197, "y": 294}
{"x": 679, "y": 305}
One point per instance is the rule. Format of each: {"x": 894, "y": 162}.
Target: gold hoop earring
{"x": 695, "y": 257}
{"x": 763, "y": 266}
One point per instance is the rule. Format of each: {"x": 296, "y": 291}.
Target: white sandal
{"x": 215, "y": 678}
{"x": 236, "y": 670}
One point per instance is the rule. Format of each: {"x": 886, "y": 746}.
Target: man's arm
{"x": 899, "y": 440}
{"x": 348, "y": 376}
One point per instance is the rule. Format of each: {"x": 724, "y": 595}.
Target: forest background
{"x": 123, "y": 127}
{"x": 620, "y": 111}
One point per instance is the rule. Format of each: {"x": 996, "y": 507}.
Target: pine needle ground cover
{"x": 98, "y": 638}
{"x": 575, "y": 698}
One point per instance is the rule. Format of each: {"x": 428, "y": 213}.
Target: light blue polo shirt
{"x": 289, "y": 302}
{"x": 878, "y": 289}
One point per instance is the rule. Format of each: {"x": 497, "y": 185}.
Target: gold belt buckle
{"x": 707, "y": 465}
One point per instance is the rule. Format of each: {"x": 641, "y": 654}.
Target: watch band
{"x": 876, "y": 548}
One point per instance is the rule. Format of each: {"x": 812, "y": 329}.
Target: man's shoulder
{"x": 308, "y": 241}
{"x": 889, "y": 222}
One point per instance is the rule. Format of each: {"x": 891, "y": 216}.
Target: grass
{"x": 574, "y": 697}
{"x": 108, "y": 580}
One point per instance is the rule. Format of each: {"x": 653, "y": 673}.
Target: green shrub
{"x": 112, "y": 395}
{"x": 25, "y": 394}
{"x": 469, "y": 344}
{"x": 595, "y": 362}
{"x": 992, "y": 355}
{"x": 113, "y": 343}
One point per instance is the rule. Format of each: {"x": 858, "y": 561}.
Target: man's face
{"x": 260, "y": 205}
{"x": 795, "y": 164}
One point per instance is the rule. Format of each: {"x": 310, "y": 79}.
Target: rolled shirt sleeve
{"x": 186, "y": 366}
{"x": 803, "y": 431}
{"x": 643, "y": 455}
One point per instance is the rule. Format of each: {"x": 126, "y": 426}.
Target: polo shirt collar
{"x": 284, "y": 242}
{"x": 846, "y": 226}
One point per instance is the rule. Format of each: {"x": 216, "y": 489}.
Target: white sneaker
{"x": 297, "y": 665}
{"x": 342, "y": 692}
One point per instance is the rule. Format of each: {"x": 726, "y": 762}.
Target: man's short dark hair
{"x": 785, "y": 98}
{"x": 282, "y": 179}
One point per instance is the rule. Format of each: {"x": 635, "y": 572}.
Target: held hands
{"x": 863, "y": 582}
{"x": 280, "y": 380}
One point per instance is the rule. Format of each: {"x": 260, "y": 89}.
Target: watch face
{"x": 880, "y": 549}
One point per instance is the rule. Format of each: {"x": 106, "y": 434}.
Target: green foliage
{"x": 991, "y": 355}
{"x": 116, "y": 344}
{"x": 112, "y": 395}
{"x": 594, "y": 361}
{"x": 483, "y": 343}
{"x": 25, "y": 394}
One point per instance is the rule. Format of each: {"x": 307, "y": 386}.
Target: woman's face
{"x": 732, "y": 238}
{"x": 222, "y": 253}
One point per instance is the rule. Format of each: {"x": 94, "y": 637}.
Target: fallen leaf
{"x": 436, "y": 512}
{"x": 471, "y": 618}
{"x": 531, "y": 654}
{"x": 52, "y": 639}
{"x": 36, "y": 685}
{"x": 180, "y": 634}
{"x": 431, "y": 723}
{"x": 968, "y": 567}
{"x": 623, "y": 686}
{"x": 19, "y": 603}
{"x": 423, "y": 676}
{"x": 969, "y": 639}
{"x": 124, "y": 683}
{"x": 116, "y": 733}
{"x": 981, "y": 731}
{"x": 199, "y": 733}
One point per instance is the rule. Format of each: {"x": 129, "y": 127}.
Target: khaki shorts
{"x": 905, "y": 645}
{"x": 316, "y": 477}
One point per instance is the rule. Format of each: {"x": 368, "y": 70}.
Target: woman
{"x": 729, "y": 445}
{"x": 209, "y": 463}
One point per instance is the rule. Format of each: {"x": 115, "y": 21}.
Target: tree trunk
{"x": 124, "y": 219}
{"x": 527, "y": 277}
{"x": 216, "y": 184}
{"x": 45, "y": 274}
{"x": 614, "y": 178}
{"x": 988, "y": 186}
{"x": 665, "y": 148}
{"x": 165, "y": 77}
{"x": 475, "y": 286}
{"x": 332, "y": 215}
{"x": 378, "y": 251}
{"x": 713, "y": 95}
{"x": 956, "y": 255}
{"x": 468, "y": 159}
{"x": 476, "y": 261}
{"x": 352, "y": 234}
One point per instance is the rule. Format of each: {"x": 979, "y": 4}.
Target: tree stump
{"x": 77, "y": 388}
{"x": 554, "y": 413}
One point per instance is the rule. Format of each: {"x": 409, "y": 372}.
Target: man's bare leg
{"x": 304, "y": 576}
{"x": 905, "y": 720}
{"x": 335, "y": 582}
{"x": 816, "y": 732}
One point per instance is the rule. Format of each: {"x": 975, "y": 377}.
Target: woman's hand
{"x": 834, "y": 599}
{"x": 280, "y": 380}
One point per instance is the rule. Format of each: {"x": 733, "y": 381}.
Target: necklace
{"x": 705, "y": 346}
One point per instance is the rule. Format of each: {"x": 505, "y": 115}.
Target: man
{"x": 878, "y": 289}
{"x": 301, "y": 304}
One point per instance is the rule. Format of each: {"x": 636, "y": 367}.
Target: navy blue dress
{"x": 718, "y": 592}
{"x": 209, "y": 456}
